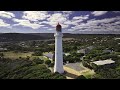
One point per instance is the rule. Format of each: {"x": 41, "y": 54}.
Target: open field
{"x": 76, "y": 69}
{"x": 75, "y": 66}
{"x": 88, "y": 73}
{"x": 66, "y": 39}
{"x": 14, "y": 55}
{"x": 71, "y": 73}
{"x": 118, "y": 68}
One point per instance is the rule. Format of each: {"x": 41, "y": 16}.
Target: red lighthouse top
{"x": 58, "y": 27}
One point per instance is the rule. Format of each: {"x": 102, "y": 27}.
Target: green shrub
{"x": 37, "y": 53}
{"x": 38, "y": 61}
{"x": 48, "y": 62}
{"x": 81, "y": 77}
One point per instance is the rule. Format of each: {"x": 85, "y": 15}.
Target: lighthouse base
{"x": 61, "y": 72}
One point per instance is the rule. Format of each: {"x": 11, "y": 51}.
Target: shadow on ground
{"x": 67, "y": 74}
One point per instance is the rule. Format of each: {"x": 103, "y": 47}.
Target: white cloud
{"x": 78, "y": 19}
{"x": 99, "y": 13}
{"x": 35, "y": 15}
{"x": 50, "y": 29}
{"x": 106, "y": 20}
{"x": 55, "y": 18}
{"x": 61, "y": 17}
{"x": 116, "y": 11}
{"x": 50, "y": 19}
{"x": 45, "y": 21}
{"x": 107, "y": 24}
{"x": 68, "y": 22}
{"x": 81, "y": 17}
{"x": 4, "y": 24}
{"x": 6, "y": 14}
{"x": 26, "y": 23}
{"x": 65, "y": 13}
{"x": 45, "y": 27}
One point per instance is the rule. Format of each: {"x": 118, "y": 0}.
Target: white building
{"x": 58, "y": 67}
{"x": 103, "y": 62}
{"x": 107, "y": 51}
{"x": 86, "y": 50}
{"x": 66, "y": 54}
{"x": 3, "y": 49}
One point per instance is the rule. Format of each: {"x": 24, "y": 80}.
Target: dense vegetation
{"x": 81, "y": 77}
{"x": 73, "y": 57}
{"x": 25, "y": 69}
{"x": 35, "y": 43}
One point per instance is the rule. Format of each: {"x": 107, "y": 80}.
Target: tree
{"x": 94, "y": 66}
{"x": 57, "y": 75}
{"x": 81, "y": 54}
{"x": 25, "y": 69}
{"x": 38, "y": 61}
{"x": 51, "y": 65}
{"x": 33, "y": 43}
{"x": 48, "y": 62}
{"x": 96, "y": 58}
{"x": 28, "y": 57}
{"x": 81, "y": 77}
{"x": 37, "y": 53}
{"x": 1, "y": 55}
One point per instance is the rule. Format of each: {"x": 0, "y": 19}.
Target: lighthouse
{"x": 58, "y": 67}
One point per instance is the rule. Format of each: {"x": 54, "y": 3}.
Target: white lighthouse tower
{"x": 58, "y": 67}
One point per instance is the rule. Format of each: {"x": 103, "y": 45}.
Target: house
{"x": 86, "y": 50}
{"x": 3, "y": 49}
{"x": 104, "y": 62}
{"x": 117, "y": 38}
{"x": 36, "y": 46}
{"x": 49, "y": 55}
{"x": 107, "y": 51}
{"x": 90, "y": 47}
{"x": 81, "y": 58}
{"x": 66, "y": 54}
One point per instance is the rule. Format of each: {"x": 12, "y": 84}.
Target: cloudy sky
{"x": 71, "y": 21}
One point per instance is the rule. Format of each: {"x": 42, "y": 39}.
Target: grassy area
{"x": 118, "y": 68}
{"x": 66, "y": 39}
{"x": 72, "y": 73}
{"x": 14, "y": 55}
{"x": 87, "y": 73}
{"x": 43, "y": 58}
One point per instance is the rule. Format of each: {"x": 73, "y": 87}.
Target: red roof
{"x": 58, "y": 27}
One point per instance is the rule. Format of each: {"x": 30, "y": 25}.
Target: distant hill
{"x": 5, "y": 37}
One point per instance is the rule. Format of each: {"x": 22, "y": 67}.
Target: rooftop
{"x": 49, "y": 55}
{"x": 103, "y": 62}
